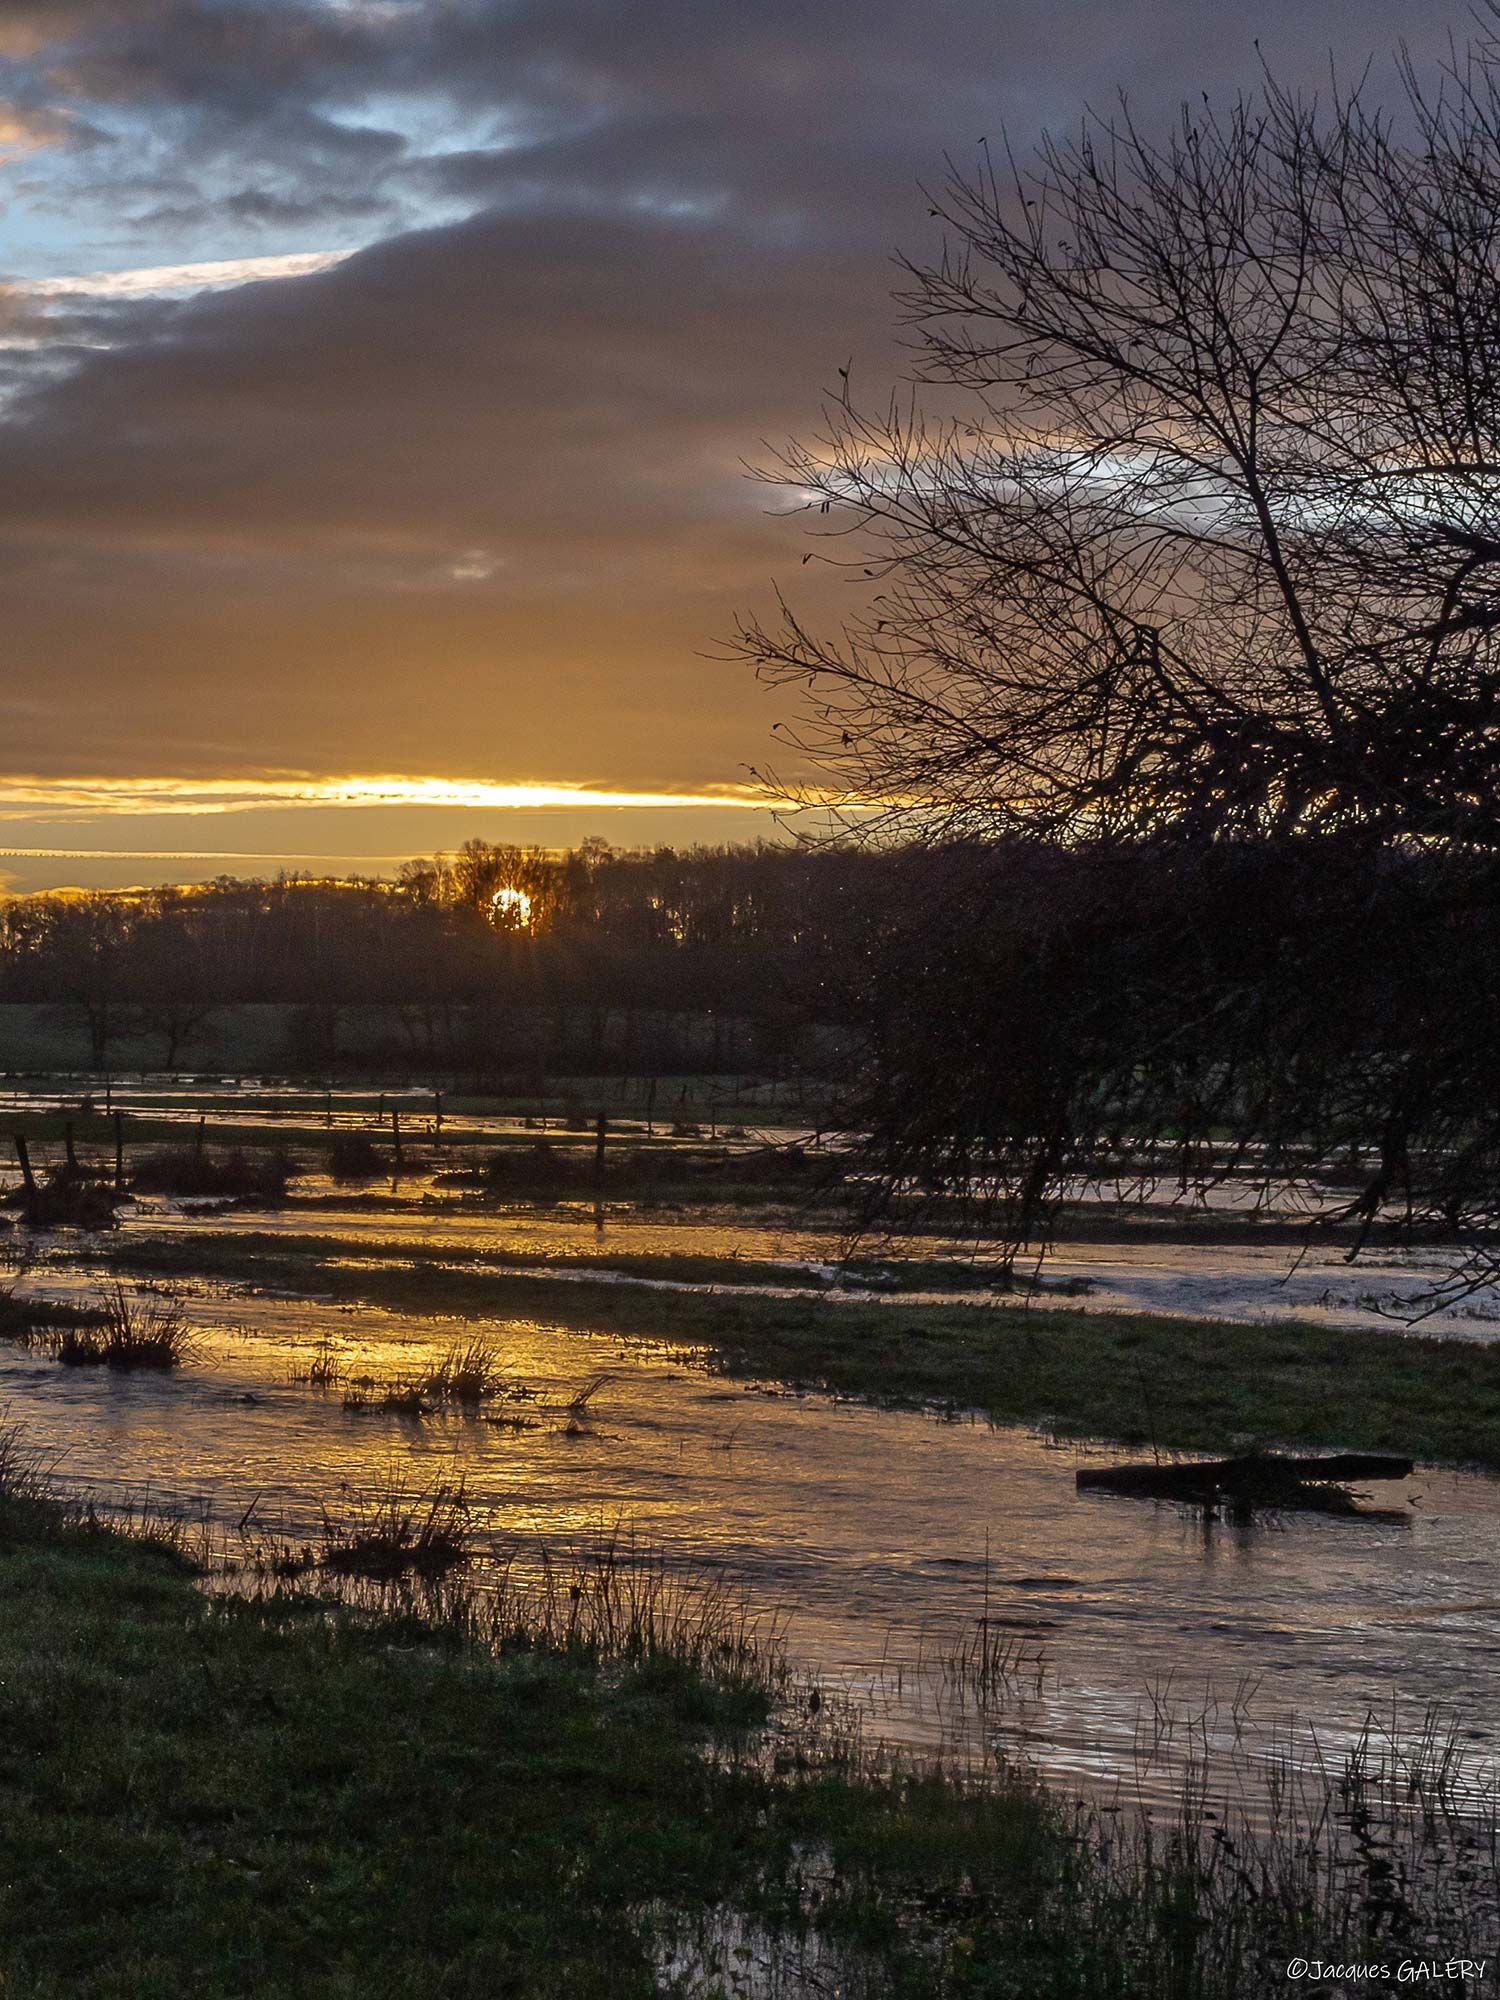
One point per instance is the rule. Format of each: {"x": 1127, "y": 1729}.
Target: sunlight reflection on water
{"x": 885, "y": 1536}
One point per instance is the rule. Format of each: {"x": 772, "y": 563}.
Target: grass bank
{"x": 207, "y": 1797}
{"x": 1127, "y": 1377}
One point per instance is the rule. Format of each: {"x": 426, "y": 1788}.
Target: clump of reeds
{"x": 403, "y": 1398}
{"x": 128, "y": 1332}
{"x": 324, "y": 1370}
{"x": 986, "y": 1662}
{"x": 577, "y": 1408}
{"x": 396, "y": 1531}
{"x": 610, "y": 1599}
{"x": 25, "y": 1469}
{"x": 354, "y": 1157}
{"x": 260, "y": 1174}
{"x": 468, "y": 1372}
{"x": 582, "y": 1397}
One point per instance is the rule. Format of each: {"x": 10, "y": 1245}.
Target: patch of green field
{"x": 1129, "y": 1377}
{"x": 208, "y": 1797}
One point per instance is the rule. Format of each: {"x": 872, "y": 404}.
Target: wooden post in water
{"x": 396, "y": 1138}
{"x": 24, "y": 1156}
{"x": 437, "y": 1116}
{"x": 601, "y": 1133}
{"x": 651, "y": 1109}
{"x": 69, "y": 1149}
{"x": 119, "y": 1149}
{"x": 328, "y": 1109}
{"x": 202, "y": 1133}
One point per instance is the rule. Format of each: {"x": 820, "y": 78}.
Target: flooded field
{"x": 1216, "y": 1280}
{"x": 1118, "y": 1641}
{"x": 941, "y": 1584}
{"x": 287, "y": 1105}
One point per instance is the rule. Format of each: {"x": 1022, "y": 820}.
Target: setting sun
{"x": 510, "y": 909}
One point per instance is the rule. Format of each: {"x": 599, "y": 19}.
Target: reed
{"x": 468, "y": 1372}
{"x": 128, "y": 1332}
{"x": 395, "y": 1530}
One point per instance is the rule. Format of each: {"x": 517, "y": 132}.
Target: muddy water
{"x": 883, "y": 1537}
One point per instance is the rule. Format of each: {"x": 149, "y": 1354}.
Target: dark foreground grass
{"x": 208, "y": 1796}
{"x": 1126, "y": 1377}
{"x": 225, "y": 1797}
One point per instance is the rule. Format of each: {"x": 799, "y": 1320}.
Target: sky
{"x": 380, "y": 379}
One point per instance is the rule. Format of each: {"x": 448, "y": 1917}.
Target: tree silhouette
{"x": 1205, "y": 535}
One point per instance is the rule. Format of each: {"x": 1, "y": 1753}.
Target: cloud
{"x": 28, "y": 131}
{"x": 162, "y": 279}
{"x": 397, "y": 415}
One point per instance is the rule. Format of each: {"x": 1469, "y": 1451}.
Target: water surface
{"x": 883, "y": 1537}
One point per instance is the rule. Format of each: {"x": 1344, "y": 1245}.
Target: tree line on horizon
{"x": 495, "y": 956}
{"x": 992, "y": 1021}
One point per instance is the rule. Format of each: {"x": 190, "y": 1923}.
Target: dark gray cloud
{"x": 473, "y": 499}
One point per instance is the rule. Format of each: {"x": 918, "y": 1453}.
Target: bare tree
{"x": 1204, "y": 534}
{"x": 1178, "y": 568}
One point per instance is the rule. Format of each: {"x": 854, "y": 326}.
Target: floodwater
{"x": 1274, "y": 1280}
{"x": 287, "y": 1106}
{"x": 882, "y": 1538}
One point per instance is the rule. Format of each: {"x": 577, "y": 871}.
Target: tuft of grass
{"x": 405, "y": 1398}
{"x": 128, "y": 1333}
{"x": 394, "y": 1530}
{"x": 468, "y": 1372}
{"x": 583, "y": 1396}
{"x": 25, "y": 1469}
{"x": 610, "y": 1599}
{"x": 324, "y": 1371}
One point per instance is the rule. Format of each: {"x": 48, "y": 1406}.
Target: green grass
{"x": 1128, "y": 1377}
{"x": 208, "y": 1797}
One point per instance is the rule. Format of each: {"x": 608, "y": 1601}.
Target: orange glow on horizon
{"x": 32, "y": 797}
